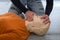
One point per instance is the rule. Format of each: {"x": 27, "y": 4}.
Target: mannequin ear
{"x": 28, "y": 25}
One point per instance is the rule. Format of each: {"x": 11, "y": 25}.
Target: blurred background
{"x": 54, "y": 16}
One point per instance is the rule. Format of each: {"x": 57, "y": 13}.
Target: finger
{"x": 48, "y": 21}
{"x": 46, "y": 18}
{"x": 43, "y": 17}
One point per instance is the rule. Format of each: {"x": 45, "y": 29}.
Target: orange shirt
{"x": 12, "y": 27}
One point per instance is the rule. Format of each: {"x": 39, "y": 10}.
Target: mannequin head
{"x": 37, "y": 26}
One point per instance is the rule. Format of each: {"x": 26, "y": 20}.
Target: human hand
{"x": 29, "y": 15}
{"x": 45, "y": 18}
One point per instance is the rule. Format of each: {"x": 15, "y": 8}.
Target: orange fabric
{"x": 12, "y": 27}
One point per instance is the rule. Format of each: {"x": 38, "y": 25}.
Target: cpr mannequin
{"x": 12, "y": 27}
{"x": 37, "y": 26}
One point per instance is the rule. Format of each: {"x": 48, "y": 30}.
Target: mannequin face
{"x": 37, "y": 26}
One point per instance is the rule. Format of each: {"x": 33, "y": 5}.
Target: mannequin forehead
{"x": 36, "y": 19}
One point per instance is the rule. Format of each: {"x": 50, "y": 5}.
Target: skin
{"x": 29, "y": 16}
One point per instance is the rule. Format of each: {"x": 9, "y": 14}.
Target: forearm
{"x": 19, "y": 5}
{"x": 49, "y": 6}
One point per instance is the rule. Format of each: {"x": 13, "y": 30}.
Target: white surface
{"x": 4, "y": 7}
{"x": 55, "y": 15}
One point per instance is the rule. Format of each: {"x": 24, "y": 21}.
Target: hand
{"x": 29, "y": 15}
{"x": 45, "y": 19}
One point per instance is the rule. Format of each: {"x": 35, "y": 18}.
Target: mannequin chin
{"x": 37, "y": 26}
